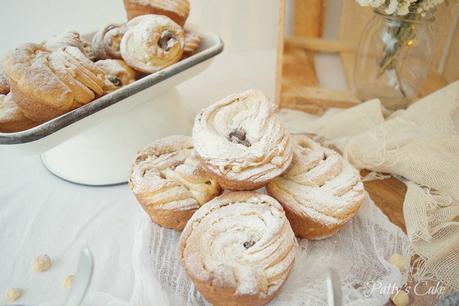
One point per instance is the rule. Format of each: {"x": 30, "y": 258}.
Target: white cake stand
{"x": 96, "y": 143}
{"x": 101, "y": 155}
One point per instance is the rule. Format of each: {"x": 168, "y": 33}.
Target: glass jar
{"x": 393, "y": 58}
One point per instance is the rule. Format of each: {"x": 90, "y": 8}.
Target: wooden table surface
{"x": 298, "y": 72}
{"x": 387, "y": 194}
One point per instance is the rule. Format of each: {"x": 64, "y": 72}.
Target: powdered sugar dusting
{"x": 141, "y": 46}
{"x": 60, "y": 80}
{"x": 323, "y": 185}
{"x": 4, "y": 85}
{"x": 117, "y": 73}
{"x": 71, "y": 38}
{"x": 180, "y": 7}
{"x": 166, "y": 175}
{"x": 9, "y": 111}
{"x": 106, "y": 42}
{"x": 263, "y": 149}
{"x": 239, "y": 240}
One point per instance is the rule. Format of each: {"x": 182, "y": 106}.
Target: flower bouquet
{"x": 400, "y": 36}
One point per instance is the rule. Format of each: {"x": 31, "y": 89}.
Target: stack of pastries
{"x": 238, "y": 246}
{"x": 40, "y": 81}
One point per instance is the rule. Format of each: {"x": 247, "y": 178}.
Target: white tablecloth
{"x": 42, "y": 214}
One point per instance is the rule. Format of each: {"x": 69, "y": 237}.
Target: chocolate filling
{"x": 248, "y": 244}
{"x": 115, "y": 81}
{"x": 166, "y": 40}
{"x": 239, "y": 136}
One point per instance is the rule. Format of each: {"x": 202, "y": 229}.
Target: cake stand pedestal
{"x": 102, "y": 154}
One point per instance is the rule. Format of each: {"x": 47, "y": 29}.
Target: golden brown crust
{"x": 73, "y": 39}
{"x": 303, "y": 225}
{"x": 106, "y": 42}
{"x": 238, "y": 249}
{"x": 192, "y": 43}
{"x": 219, "y": 296}
{"x": 169, "y": 183}
{"x": 151, "y": 43}
{"x": 320, "y": 192}
{"x": 33, "y": 108}
{"x": 241, "y": 142}
{"x": 236, "y": 185}
{"x": 117, "y": 72}
{"x": 178, "y": 10}
{"x": 4, "y": 85}
{"x": 166, "y": 218}
{"x": 32, "y": 81}
{"x": 11, "y": 117}
{"x": 46, "y": 83}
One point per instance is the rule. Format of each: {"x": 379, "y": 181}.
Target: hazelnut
{"x": 41, "y": 263}
{"x": 398, "y": 261}
{"x": 13, "y": 294}
{"x": 239, "y": 136}
{"x": 68, "y": 281}
{"x": 400, "y": 298}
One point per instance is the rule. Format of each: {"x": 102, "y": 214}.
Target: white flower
{"x": 404, "y": 7}
{"x": 372, "y": 3}
{"x": 401, "y": 7}
{"x": 392, "y": 7}
{"x": 428, "y": 5}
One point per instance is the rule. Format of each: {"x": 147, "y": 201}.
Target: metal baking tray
{"x": 211, "y": 45}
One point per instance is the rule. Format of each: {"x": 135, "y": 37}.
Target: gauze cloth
{"x": 420, "y": 144}
{"x": 136, "y": 261}
{"x": 359, "y": 252}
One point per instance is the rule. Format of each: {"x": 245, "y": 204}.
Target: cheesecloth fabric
{"x": 419, "y": 144}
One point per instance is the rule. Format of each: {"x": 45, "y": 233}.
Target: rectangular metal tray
{"x": 211, "y": 45}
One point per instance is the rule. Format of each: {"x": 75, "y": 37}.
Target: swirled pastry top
{"x": 239, "y": 240}
{"x": 118, "y": 73}
{"x": 179, "y": 7}
{"x": 192, "y": 42}
{"x": 152, "y": 42}
{"x": 4, "y": 86}
{"x": 73, "y": 39}
{"x": 106, "y": 42}
{"x": 240, "y": 137}
{"x": 60, "y": 79}
{"x": 322, "y": 184}
{"x": 165, "y": 175}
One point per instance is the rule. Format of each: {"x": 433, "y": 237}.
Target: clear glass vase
{"x": 393, "y": 58}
